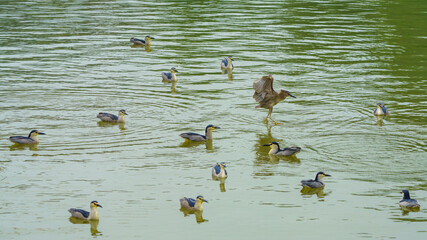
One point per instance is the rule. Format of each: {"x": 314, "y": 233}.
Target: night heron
{"x": 218, "y": 171}
{"x": 170, "y": 77}
{"x": 275, "y": 150}
{"x": 192, "y": 204}
{"x": 381, "y": 110}
{"x": 31, "y": 139}
{"x": 137, "y": 41}
{"x": 407, "y": 201}
{"x": 227, "y": 63}
{"x": 317, "y": 182}
{"x": 266, "y": 96}
{"x": 198, "y": 137}
{"x": 82, "y": 214}
{"x": 108, "y": 117}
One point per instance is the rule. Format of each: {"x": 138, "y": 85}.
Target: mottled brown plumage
{"x": 266, "y": 96}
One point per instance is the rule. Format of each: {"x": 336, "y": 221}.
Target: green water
{"x": 62, "y": 62}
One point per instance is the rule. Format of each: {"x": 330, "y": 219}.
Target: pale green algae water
{"x": 62, "y": 62}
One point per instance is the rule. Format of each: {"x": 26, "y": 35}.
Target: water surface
{"x": 62, "y": 62}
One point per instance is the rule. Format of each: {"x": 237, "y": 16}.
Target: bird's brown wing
{"x": 263, "y": 88}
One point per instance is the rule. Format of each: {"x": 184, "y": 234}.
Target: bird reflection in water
{"x": 111, "y": 124}
{"x": 146, "y": 47}
{"x": 93, "y": 225}
{"x": 312, "y": 191}
{"x": 189, "y": 144}
{"x": 380, "y": 121}
{"x": 18, "y": 147}
{"x": 173, "y": 85}
{"x": 406, "y": 211}
{"x": 197, "y": 214}
{"x": 229, "y": 73}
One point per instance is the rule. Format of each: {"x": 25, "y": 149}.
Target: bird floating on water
{"x": 218, "y": 171}
{"x": 108, "y": 117}
{"x": 31, "y": 139}
{"x": 227, "y": 63}
{"x": 170, "y": 77}
{"x": 137, "y": 41}
{"x": 381, "y": 110}
{"x": 192, "y": 204}
{"x": 82, "y": 214}
{"x": 198, "y": 137}
{"x": 275, "y": 150}
{"x": 266, "y": 96}
{"x": 317, "y": 182}
{"x": 407, "y": 201}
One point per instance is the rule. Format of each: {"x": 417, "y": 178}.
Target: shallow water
{"x": 63, "y": 62}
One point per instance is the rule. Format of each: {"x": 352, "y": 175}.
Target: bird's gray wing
{"x": 79, "y": 213}
{"x": 311, "y": 183}
{"x": 263, "y": 88}
{"x": 193, "y": 136}
{"x": 289, "y": 151}
{"x": 107, "y": 116}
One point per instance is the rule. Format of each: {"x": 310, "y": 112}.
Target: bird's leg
{"x": 269, "y": 116}
{"x": 270, "y": 110}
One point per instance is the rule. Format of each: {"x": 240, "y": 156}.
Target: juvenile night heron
{"x": 198, "y": 137}
{"x": 317, "y": 182}
{"x": 266, "y": 96}
{"x": 407, "y": 201}
{"x": 108, "y": 117}
{"x": 137, "y": 41}
{"x": 218, "y": 171}
{"x": 192, "y": 204}
{"x": 82, "y": 214}
{"x": 31, "y": 139}
{"x": 275, "y": 150}
{"x": 170, "y": 77}
{"x": 227, "y": 63}
{"x": 381, "y": 110}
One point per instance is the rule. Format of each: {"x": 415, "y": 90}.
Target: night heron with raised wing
{"x": 82, "y": 214}
{"x": 190, "y": 136}
{"x": 317, "y": 182}
{"x": 31, "y": 139}
{"x": 266, "y": 96}
{"x": 108, "y": 117}
{"x": 192, "y": 204}
{"x": 275, "y": 150}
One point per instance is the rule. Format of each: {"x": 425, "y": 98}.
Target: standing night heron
{"x": 108, "y": 117}
{"x": 137, "y": 41}
{"x": 192, "y": 204}
{"x": 227, "y": 63}
{"x": 266, "y": 96}
{"x": 407, "y": 201}
{"x": 31, "y": 139}
{"x": 190, "y": 136}
{"x": 317, "y": 182}
{"x": 82, "y": 214}
{"x": 218, "y": 171}
{"x": 275, "y": 150}
{"x": 381, "y": 110}
{"x": 170, "y": 77}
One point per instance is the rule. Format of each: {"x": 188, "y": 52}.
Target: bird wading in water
{"x": 266, "y": 96}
